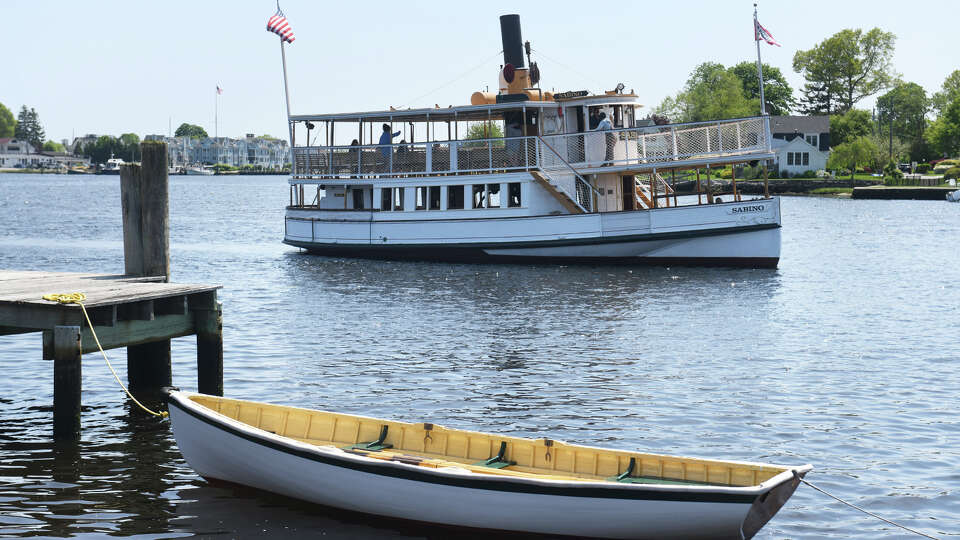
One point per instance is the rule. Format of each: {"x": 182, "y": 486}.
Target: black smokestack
{"x": 512, "y": 42}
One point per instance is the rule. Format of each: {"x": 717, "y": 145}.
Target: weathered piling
{"x": 145, "y": 201}
{"x": 66, "y": 381}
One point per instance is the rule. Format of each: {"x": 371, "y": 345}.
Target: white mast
{"x": 286, "y": 91}
{"x": 756, "y": 38}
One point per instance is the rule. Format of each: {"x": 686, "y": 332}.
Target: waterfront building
{"x": 19, "y": 154}
{"x": 263, "y": 152}
{"x": 801, "y": 143}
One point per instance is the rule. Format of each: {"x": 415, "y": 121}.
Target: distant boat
{"x": 79, "y": 170}
{"x": 426, "y": 472}
{"x": 954, "y": 196}
{"x": 198, "y": 171}
{"x": 112, "y": 166}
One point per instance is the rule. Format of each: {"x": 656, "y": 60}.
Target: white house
{"x": 798, "y": 156}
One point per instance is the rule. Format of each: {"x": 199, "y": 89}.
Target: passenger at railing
{"x": 609, "y": 138}
{"x": 386, "y": 139}
{"x": 400, "y": 165}
{"x": 354, "y": 154}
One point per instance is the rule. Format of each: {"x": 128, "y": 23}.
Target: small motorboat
{"x": 953, "y": 196}
{"x": 429, "y": 473}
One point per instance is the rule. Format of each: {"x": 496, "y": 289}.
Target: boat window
{"x": 434, "y": 203}
{"x": 386, "y": 196}
{"x": 493, "y": 195}
{"x": 513, "y": 194}
{"x": 618, "y": 116}
{"x": 455, "y": 197}
{"x": 421, "y": 198}
{"x": 478, "y": 195}
{"x": 398, "y": 198}
{"x": 629, "y": 117}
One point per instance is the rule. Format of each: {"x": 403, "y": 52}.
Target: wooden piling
{"x": 66, "y": 382}
{"x": 145, "y": 199}
{"x": 209, "y": 325}
{"x": 766, "y": 182}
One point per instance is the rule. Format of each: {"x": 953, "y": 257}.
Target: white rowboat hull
{"x": 218, "y": 447}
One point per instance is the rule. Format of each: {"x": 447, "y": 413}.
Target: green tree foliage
{"x": 28, "y": 127}
{"x": 190, "y": 130}
{"x": 713, "y": 93}
{"x": 845, "y": 68}
{"x": 949, "y": 92}
{"x": 482, "y": 130}
{"x": 51, "y": 146}
{"x": 852, "y": 154}
{"x": 905, "y": 108}
{"x": 776, "y": 89}
{"x": 944, "y": 133}
{"x": 850, "y": 125}
{"x": 126, "y": 147}
{"x": 7, "y": 123}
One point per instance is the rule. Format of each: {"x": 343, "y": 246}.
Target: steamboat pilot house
{"x": 527, "y": 175}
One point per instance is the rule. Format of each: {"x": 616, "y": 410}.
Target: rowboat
{"x": 429, "y": 473}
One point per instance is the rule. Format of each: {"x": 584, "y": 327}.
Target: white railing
{"x": 651, "y": 146}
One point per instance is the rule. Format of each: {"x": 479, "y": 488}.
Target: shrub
{"x": 923, "y": 168}
{"x": 808, "y": 174}
{"x": 892, "y": 171}
{"x": 823, "y": 174}
{"x": 953, "y": 172}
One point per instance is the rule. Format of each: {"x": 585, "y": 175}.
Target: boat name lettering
{"x": 745, "y": 209}
{"x": 571, "y": 94}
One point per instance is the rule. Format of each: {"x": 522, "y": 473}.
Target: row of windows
{"x": 428, "y": 197}
{"x": 798, "y": 158}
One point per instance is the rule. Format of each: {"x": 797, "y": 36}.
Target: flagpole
{"x": 216, "y": 114}
{"x": 763, "y": 101}
{"x": 286, "y": 91}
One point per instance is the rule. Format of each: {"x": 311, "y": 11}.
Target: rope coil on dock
{"x": 78, "y": 298}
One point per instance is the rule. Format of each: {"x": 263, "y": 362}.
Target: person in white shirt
{"x": 609, "y": 138}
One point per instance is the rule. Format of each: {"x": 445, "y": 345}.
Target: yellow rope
{"x": 78, "y": 298}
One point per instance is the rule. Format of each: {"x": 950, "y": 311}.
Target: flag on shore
{"x": 278, "y": 25}
{"x": 761, "y": 33}
{"x": 219, "y": 90}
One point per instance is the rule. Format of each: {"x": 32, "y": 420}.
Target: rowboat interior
{"x": 433, "y": 446}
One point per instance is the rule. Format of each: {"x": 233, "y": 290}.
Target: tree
{"x": 130, "y": 147}
{"x": 712, "y": 93}
{"x": 944, "y": 133}
{"x": 190, "y": 130}
{"x": 850, "y": 125}
{"x": 776, "y": 89}
{"x": 845, "y": 68}
{"x": 51, "y": 146}
{"x": 7, "y": 122}
{"x": 851, "y": 154}
{"x": 28, "y": 127}
{"x": 949, "y": 92}
{"x": 905, "y": 108}
{"x": 481, "y": 130}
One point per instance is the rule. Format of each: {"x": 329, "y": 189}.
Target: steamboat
{"x": 527, "y": 175}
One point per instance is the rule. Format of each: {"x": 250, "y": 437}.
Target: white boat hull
{"x": 731, "y": 234}
{"x": 218, "y": 447}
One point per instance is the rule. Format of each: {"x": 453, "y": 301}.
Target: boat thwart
{"x": 426, "y": 472}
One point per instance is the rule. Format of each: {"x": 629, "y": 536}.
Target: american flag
{"x": 759, "y": 32}
{"x": 278, "y": 25}
{"x": 219, "y": 90}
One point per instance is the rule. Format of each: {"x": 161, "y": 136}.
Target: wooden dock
{"x": 140, "y": 313}
{"x": 139, "y": 310}
{"x": 915, "y": 193}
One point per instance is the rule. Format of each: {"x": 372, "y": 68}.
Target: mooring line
{"x": 869, "y": 513}
{"x": 78, "y": 298}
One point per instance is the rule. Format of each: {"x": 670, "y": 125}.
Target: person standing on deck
{"x": 386, "y": 138}
{"x": 609, "y": 138}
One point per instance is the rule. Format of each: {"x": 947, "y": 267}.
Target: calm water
{"x": 845, "y": 357}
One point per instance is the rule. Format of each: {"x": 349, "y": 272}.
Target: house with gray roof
{"x": 801, "y": 143}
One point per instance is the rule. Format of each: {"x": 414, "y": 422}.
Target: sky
{"x": 113, "y": 67}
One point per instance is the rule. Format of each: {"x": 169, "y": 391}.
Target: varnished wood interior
{"x": 440, "y": 446}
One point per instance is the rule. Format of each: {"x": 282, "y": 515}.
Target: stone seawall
{"x": 777, "y": 186}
